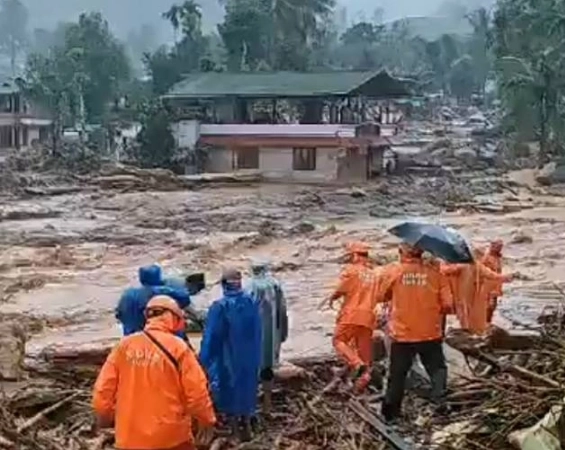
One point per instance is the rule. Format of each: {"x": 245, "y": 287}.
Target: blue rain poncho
{"x": 231, "y": 352}
{"x": 268, "y": 293}
{"x": 131, "y": 307}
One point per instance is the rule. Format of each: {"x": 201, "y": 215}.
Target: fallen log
{"x": 52, "y": 191}
{"x": 501, "y": 339}
{"x": 517, "y": 371}
{"x": 42, "y": 414}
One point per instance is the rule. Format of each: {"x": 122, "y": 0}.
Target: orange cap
{"x": 166, "y": 303}
{"x": 357, "y": 247}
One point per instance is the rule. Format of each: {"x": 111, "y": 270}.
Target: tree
{"x": 190, "y": 54}
{"x": 43, "y": 40}
{"x": 462, "y": 77}
{"x": 279, "y": 34}
{"x": 172, "y": 15}
{"x": 103, "y": 58}
{"x": 441, "y": 54}
{"x": 479, "y": 46}
{"x": 529, "y": 43}
{"x": 55, "y": 83}
{"x": 243, "y": 32}
{"x": 359, "y": 46}
{"x": 187, "y": 17}
{"x": 13, "y": 29}
{"x": 294, "y": 24}
{"x": 164, "y": 69}
{"x": 156, "y": 143}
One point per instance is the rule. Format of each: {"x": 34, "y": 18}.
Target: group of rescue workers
{"x": 155, "y": 390}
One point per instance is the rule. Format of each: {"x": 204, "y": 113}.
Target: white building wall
{"x": 186, "y": 133}
{"x": 32, "y": 135}
{"x": 276, "y": 164}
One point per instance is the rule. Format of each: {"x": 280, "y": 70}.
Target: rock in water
{"x": 467, "y": 155}
{"x": 12, "y": 350}
{"x": 552, "y": 173}
{"x": 521, "y": 237}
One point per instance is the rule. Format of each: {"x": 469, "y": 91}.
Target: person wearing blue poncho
{"x": 131, "y": 306}
{"x": 231, "y": 353}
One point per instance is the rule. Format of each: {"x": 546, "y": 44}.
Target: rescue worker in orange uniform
{"x": 419, "y": 297}
{"x": 152, "y": 386}
{"x": 356, "y": 320}
{"x": 472, "y": 286}
{"x": 493, "y": 260}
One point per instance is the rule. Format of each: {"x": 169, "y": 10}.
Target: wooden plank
{"x": 386, "y": 431}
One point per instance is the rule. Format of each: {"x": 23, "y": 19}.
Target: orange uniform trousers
{"x": 354, "y": 344}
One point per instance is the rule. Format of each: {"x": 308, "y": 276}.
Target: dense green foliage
{"x": 79, "y": 69}
{"x": 79, "y": 77}
{"x": 529, "y": 38}
{"x": 156, "y": 142}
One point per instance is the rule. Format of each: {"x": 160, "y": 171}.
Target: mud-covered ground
{"x": 64, "y": 260}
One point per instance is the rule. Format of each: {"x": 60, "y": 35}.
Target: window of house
{"x": 304, "y": 159}
{"x": 43, "y": 134}
{"x": 5, "y": 103}
{"x": 246, "y": 158}
{"x": 6, "y": 137}
{"x": 25, "y": 136}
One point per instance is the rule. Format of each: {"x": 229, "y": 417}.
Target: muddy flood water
{"x": 66, "y": 259}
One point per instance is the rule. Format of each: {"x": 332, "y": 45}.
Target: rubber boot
{"x": 267, "y": 397}
{"x": 234, "y": 427}
{"x": 363, "y": 380}
{"x": 246, "y": 431}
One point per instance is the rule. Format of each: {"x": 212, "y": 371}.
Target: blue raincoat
{"x": 231, "y": 352}
{"x": 267, "y": 291}
{"x": 131, "y": 307}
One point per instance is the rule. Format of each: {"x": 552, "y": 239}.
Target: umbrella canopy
{"x": 441, "y": 242}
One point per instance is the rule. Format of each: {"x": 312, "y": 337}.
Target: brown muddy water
{"x": 65, "y": 260}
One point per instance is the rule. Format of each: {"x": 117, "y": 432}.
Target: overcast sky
{"x": 125, "y": 15}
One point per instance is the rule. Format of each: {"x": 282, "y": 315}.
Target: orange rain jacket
{"x": 152, "y": 402}
{"x": 494, "y": 262}
{"x": 358, "y": 285}
{"x": 420, "y": 298}
{"x": 472, "y": 285}
{"x": 356, "y": 320}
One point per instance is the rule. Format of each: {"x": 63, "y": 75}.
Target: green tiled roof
{"x": 287, "y": 84}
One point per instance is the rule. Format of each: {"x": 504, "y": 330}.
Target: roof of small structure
{"x": 289, "y": 84}
{"x": 8, "y": 87}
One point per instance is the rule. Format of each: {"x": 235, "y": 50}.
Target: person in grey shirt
{"x": 267, "y": 291}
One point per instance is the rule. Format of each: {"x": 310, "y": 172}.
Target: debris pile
{"x": 316, "y": 412}
{"x": 511, "y": 390}
{"x": 46, "y": 416}
{"x": 313, "y": 408}
{"x": 516, "y": 380}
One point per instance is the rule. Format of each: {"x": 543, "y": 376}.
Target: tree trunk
{"x": 13, "y": 53}
{"x": 542, "y": 155}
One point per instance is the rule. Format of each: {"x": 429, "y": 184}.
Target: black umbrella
{"x": 441, "y": 242}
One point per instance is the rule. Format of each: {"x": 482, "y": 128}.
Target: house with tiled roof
{"x": 305, "y": 127}
{"x": 21, "y": 124}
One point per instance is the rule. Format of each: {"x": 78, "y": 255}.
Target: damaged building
{"x": 307, "y": 127}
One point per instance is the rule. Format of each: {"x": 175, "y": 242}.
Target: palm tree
{"x": 480, "y": 45}
{"x": 173, "y": 16}
{"x": 298, "y": 18}
{"x": 190, "y": 18}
